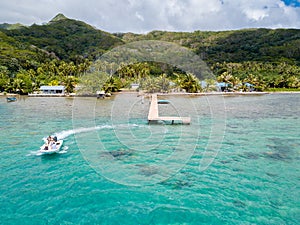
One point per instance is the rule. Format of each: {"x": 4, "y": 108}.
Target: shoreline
{"x": 162, "y": 94}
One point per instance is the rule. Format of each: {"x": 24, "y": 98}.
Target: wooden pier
{"x": 153, "y": 116}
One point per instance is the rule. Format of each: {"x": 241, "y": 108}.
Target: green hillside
{"x": 8, "y": 26}
{"x": 68, "y": 39}
{"x": 16, "y": 55}
{"x": 264, "y": 45}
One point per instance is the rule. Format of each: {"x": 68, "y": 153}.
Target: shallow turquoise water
{"x": 237, "y": 163}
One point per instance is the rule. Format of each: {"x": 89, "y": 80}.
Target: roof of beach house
{"x": 55, "y": 88}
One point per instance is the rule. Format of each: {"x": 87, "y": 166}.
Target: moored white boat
{"x": 45, "y": 149}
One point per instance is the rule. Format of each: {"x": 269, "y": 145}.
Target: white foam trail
{"x": 62, "y": 152}
{"x": 36, "y": 153}
{"x": 66, "y": 133}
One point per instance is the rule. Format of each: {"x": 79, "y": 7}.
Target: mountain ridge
{"x": 70, "y": 39}
{"x": 65, "y": 37}
{"x": 58, "y": 17}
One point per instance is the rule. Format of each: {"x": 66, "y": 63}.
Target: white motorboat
{"x": 50, "y": 149}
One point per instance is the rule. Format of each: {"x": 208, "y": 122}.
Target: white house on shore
{"x": 134, "y": 86}
{"x": 60, "y": 90}
{"x": 46, "y": 91}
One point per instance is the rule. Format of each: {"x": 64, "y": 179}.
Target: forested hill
{"x": 8, "y": 26}
{"x": 264, "y": 45}
{"x": 68, "y": 39}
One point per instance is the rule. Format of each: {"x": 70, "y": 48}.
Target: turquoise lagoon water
{"x": 237, "y": 163}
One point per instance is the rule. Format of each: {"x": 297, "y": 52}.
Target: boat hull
{"x": 43, "y": 150}
{"x": 11, "y": 99}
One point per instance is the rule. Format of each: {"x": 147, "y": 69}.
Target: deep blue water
{"x": 237, "y": 163}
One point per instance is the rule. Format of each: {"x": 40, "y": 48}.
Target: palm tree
{"x": 234, "y": 81}
{"x": 293, "y": 82}
{"x": 53, "y": 83}
{"x": 280, "y": 82}
{"x": 70, "y": 83}
{"x": 18, "y": 86}
{"x": 190, "y": 83}
{"x": 163, "y": 83}
{"x": 83, "y": 67}
{"x": 210, "y": 85}
{"x": 257, "y": 81}
{"x": 112, "y": 85}
{"x": 150, "y": 85}
{"x": 4, "y": 79}
{"x": 225, "y": 77}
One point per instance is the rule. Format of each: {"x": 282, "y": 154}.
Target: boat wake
{"x": 66, "y": 133}
{"x": 64, "y": 150}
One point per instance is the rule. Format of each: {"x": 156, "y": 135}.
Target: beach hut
{"x": 249, "y": 86}
{"x": 222, "y": 86}
{"x": 134, "y": 86}
{"x": 53, "y": 90}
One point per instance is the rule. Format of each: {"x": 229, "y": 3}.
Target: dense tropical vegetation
{"x": 63, "y": 50}
{"x": 263, "y": 75}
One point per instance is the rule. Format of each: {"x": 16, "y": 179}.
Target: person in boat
{"x": 49, "y": 139}
{"x": 53, "y": 145}
{"x": 47, "y": 144}
{"x": 50, "y": 143}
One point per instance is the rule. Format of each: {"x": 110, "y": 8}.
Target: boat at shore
{"x": 163, "y": 101}
{"x": 11, "y": 99}
{"x": 45, "y": 149}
